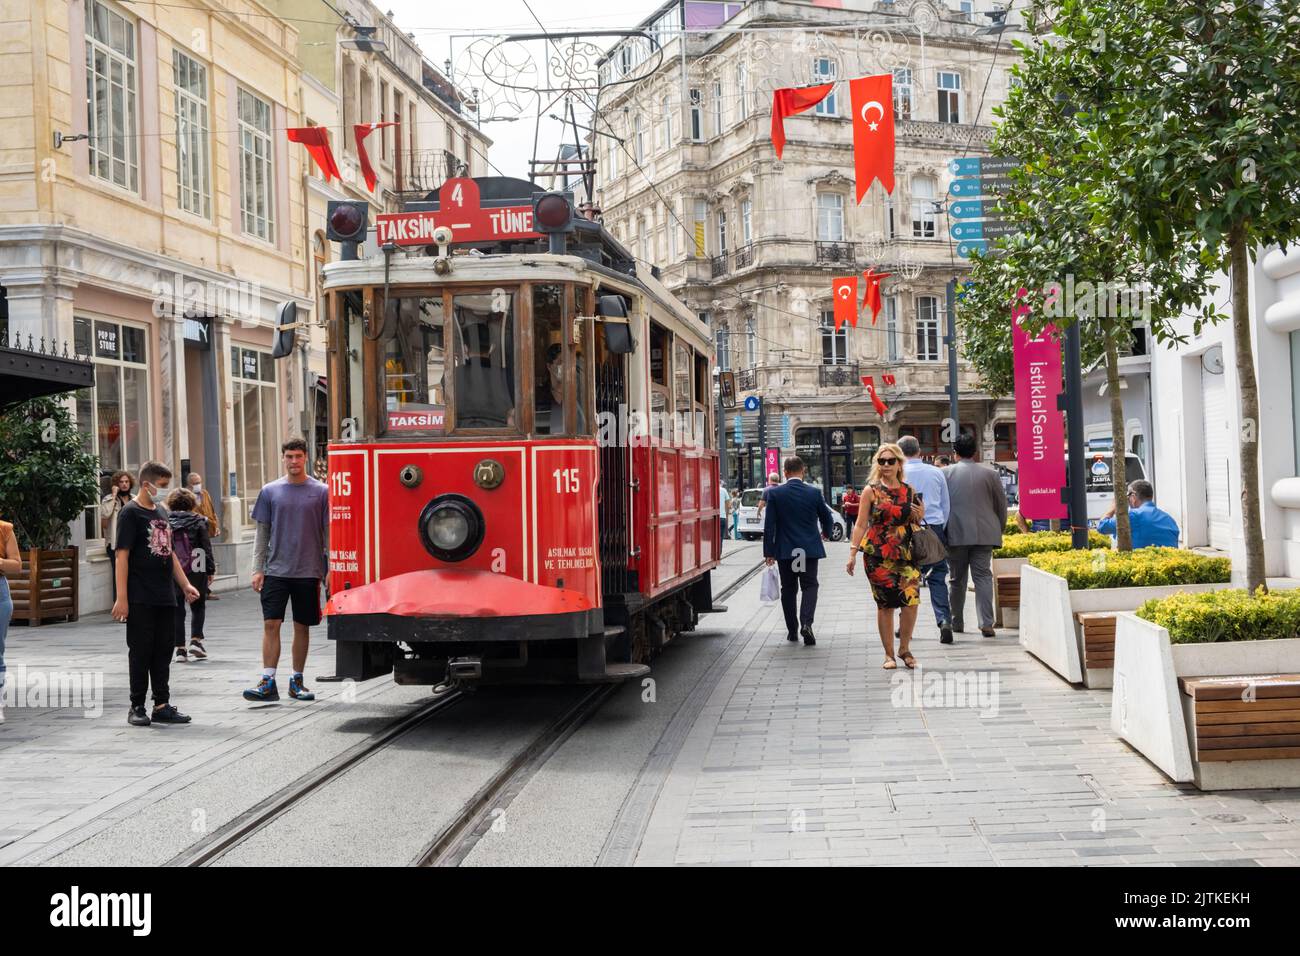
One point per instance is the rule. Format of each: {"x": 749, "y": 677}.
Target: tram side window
{"x": 552, "y": 394}
{"x": 683, "y": 369}
{"x": 660, "y": 397}
{"x": 484, "y": 394}
{"x": 703, "y": 391}
{"x": 412, "y": 347}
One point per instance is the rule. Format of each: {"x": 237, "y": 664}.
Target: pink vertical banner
{"x": 1040, "y": 424}
{"x": 772, "y": 462}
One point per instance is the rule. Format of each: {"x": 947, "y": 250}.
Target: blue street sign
{"x": 968, "y": 230}
{"x": 752, "y": 402}
{"x": 964, "y": 249}
{"x": 740, "y": 440}
{"x": 967, "y": 187}
{"x": 785, "y": 432}
{"x": 967, "y": 209}
{"x": 964, "y": 166}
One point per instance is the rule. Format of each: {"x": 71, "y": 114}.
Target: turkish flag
{"x": 317, "y": 141}
{"x": 845, "y": 291}
{"x": 888, "y": 379}
{"x": 872, "y": 299}
{"x": 361, "y": 131}
{"x": 787, "y": 102}
{"x": 873, "y": 131}
{"x": 881, "y": 407}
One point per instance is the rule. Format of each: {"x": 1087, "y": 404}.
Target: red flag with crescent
{"x": 872, "y": 299}
{"x": 845, "y": 291}
{"x": 888, "y": 379}
{"x": 787, "y": 102}
{"x": 361, "y": 131}
{"x": 317, "y": 141}
{"x": 870, "y": 382}
{"x": 873, "y": 131}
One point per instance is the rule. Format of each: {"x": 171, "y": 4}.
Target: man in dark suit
{"x": 790, "y": 539}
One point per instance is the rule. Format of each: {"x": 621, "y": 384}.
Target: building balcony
{"x": 744, "y": 256}
{"x": 719, "y": 264}
{"x": 838, "y": 376}
{"x": 932, "y": 133}
{"x": 746, "y": 379}
{"x": 833, "y": 253}
{"x": 423, "y": 171}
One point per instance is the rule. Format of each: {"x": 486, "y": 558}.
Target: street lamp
{"x": 365, "y": 41}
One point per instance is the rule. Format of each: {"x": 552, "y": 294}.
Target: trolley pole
{"x": 1073, "y": 404}
{"x": 951, "y": 341}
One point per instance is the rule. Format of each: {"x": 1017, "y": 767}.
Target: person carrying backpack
{"x": 193, "y": 547}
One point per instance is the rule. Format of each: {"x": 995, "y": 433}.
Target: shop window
{"x": 257, "y": 433}
{"x": 1004, "y": 441}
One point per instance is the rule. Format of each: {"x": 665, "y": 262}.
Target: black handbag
{"x": 927, "y": 549}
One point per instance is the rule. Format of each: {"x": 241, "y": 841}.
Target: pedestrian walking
{"x": 850, "y": 505}
{"x": 11, "y": 562}
{"x": 292, "y": 515}
{"x": 724, "y": 508}
{"x": 791, "y": 542}
{"x": 193, "y": 548}
{"x": 977, "y": 516}
{"x": 773, "y": 481}
{"x": 119, "y": 495}
{"x": 148, "y": 573}
{"x": 889, "y": 509}
{"x": 203, "y": 503}
{"x": 928, "y": 482}
{"x": 735, "y": 514}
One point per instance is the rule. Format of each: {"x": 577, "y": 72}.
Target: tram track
{"x": 457, "y": 838}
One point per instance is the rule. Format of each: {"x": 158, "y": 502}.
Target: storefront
{"x": 837, "y": 457}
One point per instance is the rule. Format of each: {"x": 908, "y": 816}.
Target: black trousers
{"x": 793, "y": 581}
{"x": 149, "y": 651}
{"x": 198, "y": 611}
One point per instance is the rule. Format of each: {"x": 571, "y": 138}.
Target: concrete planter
{"x": 1151, "y": 713}
{"x": 1050, "y": 633}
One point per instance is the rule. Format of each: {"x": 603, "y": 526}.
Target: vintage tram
{"x": 522, "y": 472}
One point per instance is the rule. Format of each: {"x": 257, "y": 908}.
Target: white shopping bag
{"x": 770, "y": 588}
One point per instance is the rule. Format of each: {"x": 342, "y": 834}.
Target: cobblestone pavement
{"x": 815, "y": 755}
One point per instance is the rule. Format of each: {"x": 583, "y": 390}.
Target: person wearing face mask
{"x": 203, "y": 506}
{"x": 148, "y": 572}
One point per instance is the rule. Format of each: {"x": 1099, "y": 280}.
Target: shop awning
{"x": 31, "y": 369}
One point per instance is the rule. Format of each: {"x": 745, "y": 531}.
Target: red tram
{"x": 522, "y": 472}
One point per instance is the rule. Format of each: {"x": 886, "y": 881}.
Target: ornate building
{"x": 752, "y": 242}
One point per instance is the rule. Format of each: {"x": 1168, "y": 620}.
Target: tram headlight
{"x": 451, "y": 527}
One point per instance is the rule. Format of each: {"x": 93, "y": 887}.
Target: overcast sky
{"x": 440, "y": 30}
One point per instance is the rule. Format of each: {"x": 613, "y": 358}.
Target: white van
{"x": 750, "y": 524}
{"x": 1097, "y": 471}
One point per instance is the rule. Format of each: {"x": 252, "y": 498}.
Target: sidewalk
{"x": 982, "y": 756}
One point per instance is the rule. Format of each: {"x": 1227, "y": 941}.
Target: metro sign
{"x": 460, "y": 210}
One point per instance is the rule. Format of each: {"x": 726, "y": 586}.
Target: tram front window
{"x": 485, "y": 359}
{"x": 412, "y": 349}
{"x": 552, "y": 395}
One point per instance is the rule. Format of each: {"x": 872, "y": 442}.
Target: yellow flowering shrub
{"x": 1228, "y": 615}
{"x": 1023, "y": 545}
{"x": 1145, "y": 567}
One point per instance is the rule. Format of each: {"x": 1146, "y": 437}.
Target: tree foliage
{"x": 46, "y": 479}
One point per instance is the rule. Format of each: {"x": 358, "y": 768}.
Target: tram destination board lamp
{"x": 347, "y": 222}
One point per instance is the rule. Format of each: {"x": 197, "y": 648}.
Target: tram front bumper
{"x": 454, "y": 606}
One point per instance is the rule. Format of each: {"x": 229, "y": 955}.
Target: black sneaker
{"x": 792, "y": 637}
{"x": 807, "y": 633}
{"x": 167, "y": 714}
{"x": 136, "y": 717}
{"x": 181, "y": 657}
{"x": 945, "y": 634}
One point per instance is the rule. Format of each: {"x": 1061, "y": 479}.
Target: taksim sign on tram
{"x": 461, "y": 211}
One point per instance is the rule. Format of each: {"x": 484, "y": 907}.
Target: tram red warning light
{"x": 347, "y": 221}
{"x": 552, "y": 212}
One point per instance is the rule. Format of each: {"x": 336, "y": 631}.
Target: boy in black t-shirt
{"x": 146, "y": 568}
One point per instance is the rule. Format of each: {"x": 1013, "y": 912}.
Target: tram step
{"x": 621, "y": 672}
{"x": 716, "y": 609}
{"x": 615, "y": 630}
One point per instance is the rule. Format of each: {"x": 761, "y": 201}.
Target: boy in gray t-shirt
{"x": 292, "y": 515}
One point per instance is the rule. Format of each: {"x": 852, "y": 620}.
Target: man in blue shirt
{"x": 928, "y": 481}
{"x": 1151, "y": 527}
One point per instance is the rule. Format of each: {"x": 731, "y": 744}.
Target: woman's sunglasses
{"x": 886, "y": 461}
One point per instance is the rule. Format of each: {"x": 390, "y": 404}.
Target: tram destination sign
{"x": 460, "y": 210}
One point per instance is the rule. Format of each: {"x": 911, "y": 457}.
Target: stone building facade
{"x": 752, "y": 242}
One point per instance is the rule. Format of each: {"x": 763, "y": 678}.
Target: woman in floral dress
{"x": 883, "y": 532}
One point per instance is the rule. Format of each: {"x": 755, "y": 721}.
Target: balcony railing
{"x": 834, "y": 253}
{"x": 744, "y": 256}
{"x": 746, "y": 379}
{"x": 719, "y": 265}
{"x": 425, "y": 170}
{"x": 836, "y": 376}
{"x": 929, "y": 132}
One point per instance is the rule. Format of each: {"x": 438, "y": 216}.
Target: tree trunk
{"x": 1251, "y": 524}
{"x": 1119, "y": 477}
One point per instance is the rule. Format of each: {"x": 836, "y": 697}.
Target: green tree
{"x": 1192, "y": 109}
{"x": 46, "y": 480}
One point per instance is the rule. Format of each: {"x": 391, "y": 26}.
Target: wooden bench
{"x": 1248, "y": 717}
{"x": 1098, "y": 629}
{"x": 1006, "y": 594}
